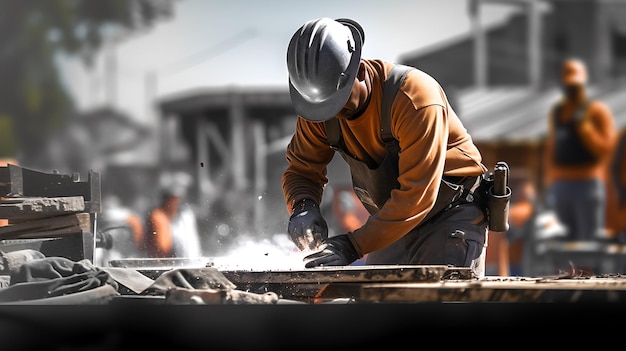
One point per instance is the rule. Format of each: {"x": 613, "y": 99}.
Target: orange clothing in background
{"x": 597, "y": 131}
{"x": 159, "y": 239}
{"x": 616, "y": 189}
{"x": 579, "y": 147}
{"x": 520, "y": 213}
{"x": 503, "y": 251}
{"x": 497, "y": 255}
{"x": 136, "y": 226}
{"x": 348, "y": 211}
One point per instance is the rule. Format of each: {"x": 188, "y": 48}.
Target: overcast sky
{"x": 242, "y": 43}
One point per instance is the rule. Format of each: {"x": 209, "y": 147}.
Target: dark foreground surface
{"x": 307, "y": 327}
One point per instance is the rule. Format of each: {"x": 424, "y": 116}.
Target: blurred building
{"x": 108, "y": 141}
{"x": 503, "y": 79}
{"x": 236, "y": 140}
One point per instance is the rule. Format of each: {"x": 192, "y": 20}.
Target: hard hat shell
{"x": 323, "y": 59}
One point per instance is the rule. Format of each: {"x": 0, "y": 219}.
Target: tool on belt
{"x": 494, "y": 196}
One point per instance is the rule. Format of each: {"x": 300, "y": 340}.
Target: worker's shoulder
{"x": 599, "y": 107}
{"x": 419, "y": 87}
{"x": 422, "y": 89}
{"x": 415, "y": 77}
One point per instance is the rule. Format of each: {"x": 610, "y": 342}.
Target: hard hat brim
{"x": 327, "y": 109}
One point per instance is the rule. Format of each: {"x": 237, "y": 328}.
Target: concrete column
{"x": 238, "y": 142}
{"x": 534, "y": 44}
{"x": 480, "y": 45}
{"x": 260, "y": 172}
{"x": 203, "y": 171}
{"x": 169, "y": 137}
{"x": 601, "y": 63}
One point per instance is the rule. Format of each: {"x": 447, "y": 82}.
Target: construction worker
{"x": 171, "y": 226}
{"x": 579, "y": 146}
{"x": 416, "y": 194}
{"x": 522, "y": 215}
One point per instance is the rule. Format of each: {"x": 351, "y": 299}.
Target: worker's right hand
{"x": 338, "y": 251}
{"x": 307, "y": 228}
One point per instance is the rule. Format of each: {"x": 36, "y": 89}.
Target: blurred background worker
{"x": 345, "y": 213}
{"x": 523, "y": 209}
{"x": 505, "y": 250}
{"x": 120, "y": 231}
{"x": 580, "y": 142}
{"x": 172, "y": 225}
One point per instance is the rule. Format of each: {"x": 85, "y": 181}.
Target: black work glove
{"x": 338, "y": 251}
{"x": 307, "y": 228}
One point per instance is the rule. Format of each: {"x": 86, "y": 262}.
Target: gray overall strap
{"x": 392, "y": 84}
{"x": 390, "y": 88}
{"x": 333, "y": 133}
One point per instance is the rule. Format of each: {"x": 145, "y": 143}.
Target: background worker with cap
{"x": 579, "y": 145}
{"x": 416, "y": 195}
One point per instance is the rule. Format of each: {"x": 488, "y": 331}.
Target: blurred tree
{"x": 33, "y": 100}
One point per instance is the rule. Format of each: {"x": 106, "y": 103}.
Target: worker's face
{"x": 572, "y": 91}
{"x": 573, "y": 78}
{"x": 171, "y": 204}
{"x": 358, "y": 96}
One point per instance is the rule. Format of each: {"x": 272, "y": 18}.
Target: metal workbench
{"x": 404, "y": 283}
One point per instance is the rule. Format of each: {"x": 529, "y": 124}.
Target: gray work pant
{"x": 580, "y": 206}
{"x": 456, "y": 237}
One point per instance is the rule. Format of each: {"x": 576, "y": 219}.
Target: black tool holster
{"x": 493, "y": 195}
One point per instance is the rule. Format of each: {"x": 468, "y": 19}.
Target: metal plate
{"x": 310, "y": 284}
{"x": 352, "y": 274}
{"x": 162, "y": 263}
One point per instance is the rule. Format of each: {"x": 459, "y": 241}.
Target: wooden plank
{"x": 16, "y": 181}
{"x": 11, "y": 183}
{"x": 41, "y": 184}
{"x": 40, "y": 207}
{"x": 47, "y": 227}
{"x": 489, "y": 290}
{"x": 310, "y": 284}
{"x": 52, "y": 233}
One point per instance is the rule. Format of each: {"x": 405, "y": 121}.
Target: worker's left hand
{"x": 307, "y": 227}
{"x": 336, "y": 251}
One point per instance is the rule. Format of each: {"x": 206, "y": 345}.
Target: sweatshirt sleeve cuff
{"x": 357, "y": 248}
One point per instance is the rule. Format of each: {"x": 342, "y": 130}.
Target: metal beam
{"x": 534, "y": 44}
{"x": 238, "y": 142}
